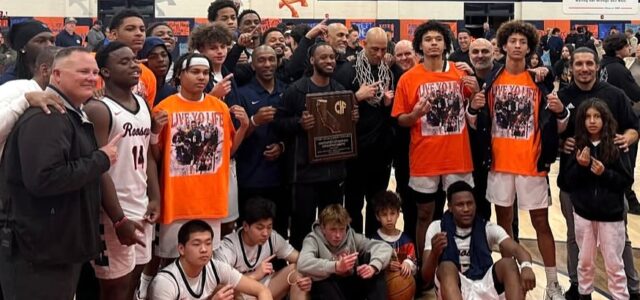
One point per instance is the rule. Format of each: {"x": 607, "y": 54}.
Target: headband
{"x": 195, "y": 61}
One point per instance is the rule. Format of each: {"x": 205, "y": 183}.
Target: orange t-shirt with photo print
{"x": 196, "y": 149}
{"x": 514, "y": 102}
{"x": 439, "y": 140}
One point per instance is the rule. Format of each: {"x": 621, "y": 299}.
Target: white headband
{"x": 195, "y": 61}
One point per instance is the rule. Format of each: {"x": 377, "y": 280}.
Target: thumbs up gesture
{"x": 111, "y": 149}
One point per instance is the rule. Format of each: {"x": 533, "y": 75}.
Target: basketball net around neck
{"x": 364, "y": 75}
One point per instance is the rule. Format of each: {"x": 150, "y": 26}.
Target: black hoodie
{"x": 599, "y": 197}
{"x": 613, "y": 71}
{"x": 620, "y": 106}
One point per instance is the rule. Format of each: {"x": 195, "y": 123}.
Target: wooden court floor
{"x": 559, "y": 228}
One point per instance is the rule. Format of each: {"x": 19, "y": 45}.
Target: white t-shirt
{"x": 172, "y": 283}
{"x": 246, "y": 259}
{"x": 495, "y": 236}
{"x": 13, "y": 104}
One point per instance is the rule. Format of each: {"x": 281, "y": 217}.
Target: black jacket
{"x": 599, "y": 198}
{"x": 616, "y": 100}
{"x": 287, "y": 124}
{"x": 50, "y": 174}
{"x": 547, "y": 124}
{"x": 375, "y": 125}
{"x": 613, "y": 71}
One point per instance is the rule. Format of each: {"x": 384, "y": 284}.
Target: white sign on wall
{"x": 600, "y": 7}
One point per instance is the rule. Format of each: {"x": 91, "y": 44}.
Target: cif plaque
{"x": 334, "y": 135}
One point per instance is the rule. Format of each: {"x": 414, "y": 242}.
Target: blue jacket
{"x": 253, "y": 169}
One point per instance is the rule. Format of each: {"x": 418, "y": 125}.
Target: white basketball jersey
{"x": 246, "y": 259}
{"x": 129, "y": 173}
{"x": 172, "y": 283}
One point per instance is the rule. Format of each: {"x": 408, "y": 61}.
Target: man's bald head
{"x": 264, "y": 61}
{"x": 375, "y": 45}
{"x": 405, "y": 56}
{"x": 481, "y": 54}
{"x": 337, "y": 35}
{"x": 260, "y": 49}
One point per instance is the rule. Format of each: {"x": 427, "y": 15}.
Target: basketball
{"x": 399, "y": 287}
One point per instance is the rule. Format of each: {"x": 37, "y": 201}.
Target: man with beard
{"x": 584, "y": 65}
{"x": 28, "y": 39}
{"x": 436, "y": 156}
{"x": 314, "y": 185}
{"x": 337, "y": 38}
{"x": 288, "y": 70}
{"x": 373, "y": 82}
{"x": 462, "y": 54}
{"x": 353, "y": 43}
{"x": 259, "y": 164}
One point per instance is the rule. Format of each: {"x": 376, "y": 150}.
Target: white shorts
{"x": 429, "y": 184}
{"x": 232, "y": 207}
{"x": 532, "y": 191}
{"x": 168, "y": 237}
{"x": 475, "y": 289}
{"x": 118, "y": 260}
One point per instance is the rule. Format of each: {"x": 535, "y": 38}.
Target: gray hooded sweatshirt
{"x": 318, "y": 258}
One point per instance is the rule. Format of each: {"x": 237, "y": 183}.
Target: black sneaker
{"x": 572, "y": 293}
{"x": 634, "y": 207}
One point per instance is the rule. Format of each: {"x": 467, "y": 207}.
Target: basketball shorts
{"x": 429, "y": 184}
{"x": 116, "y": 259}
{"x": 232, "y": 207}
{"x": 532, "y": 191}
{"x": 485, "y": 288}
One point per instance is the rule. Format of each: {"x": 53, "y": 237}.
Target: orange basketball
{"x": 399, "y": 287}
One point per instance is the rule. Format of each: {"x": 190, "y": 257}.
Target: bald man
{"x": 337, "y": 37}
{"x": 481, "y": 56}
{"x": 259, "y": 157}
{"x": 405, "y": 56}
{"x": 372, "y": 81}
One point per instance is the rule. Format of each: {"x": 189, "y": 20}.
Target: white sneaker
{"x": 554, "y": 292}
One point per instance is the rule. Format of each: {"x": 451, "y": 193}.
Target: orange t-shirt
{"x": 513, "y": 103}
{"x": 439, "y": 140}
{"x": 196, "y": 149}
{"x": 146, "y": 87}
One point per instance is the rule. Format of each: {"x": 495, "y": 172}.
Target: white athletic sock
{"x": 144, "y": 285}
{"x": 552, "y": 275}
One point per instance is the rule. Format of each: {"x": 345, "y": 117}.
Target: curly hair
{"x": 512, "y": 27}
{"x": 204, "y": 35}
{"x": 609, "y": 151}
{"x": 212, "y": 12}
{"x": 431, "y": 26}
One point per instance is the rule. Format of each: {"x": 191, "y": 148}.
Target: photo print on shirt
{"x": 513, "y": 111}
{"x": 196, "y": 143}
{"x": 446, "y": 116}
